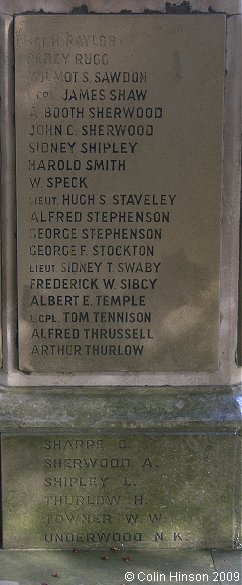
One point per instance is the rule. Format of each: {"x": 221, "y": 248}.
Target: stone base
{"x": 134, "y": 468}
{"x": 102, "y": 567}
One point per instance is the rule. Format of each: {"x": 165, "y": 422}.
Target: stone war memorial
{"x": 120, "y": 398}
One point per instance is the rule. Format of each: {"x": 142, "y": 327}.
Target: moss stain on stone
{"x": 183, "y": 8}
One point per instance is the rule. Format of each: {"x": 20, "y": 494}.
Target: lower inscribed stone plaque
{"x": 119, "y": 171}
{"x": 105, "y": 490}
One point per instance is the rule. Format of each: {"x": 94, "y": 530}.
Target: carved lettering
{"x": 111, "y": 192}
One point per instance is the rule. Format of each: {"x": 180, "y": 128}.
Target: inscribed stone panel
{"x": 119, "y": 172}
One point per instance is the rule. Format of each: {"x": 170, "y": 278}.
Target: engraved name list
{"x": 94, "y": 490}
{"x": 114, "y": 206}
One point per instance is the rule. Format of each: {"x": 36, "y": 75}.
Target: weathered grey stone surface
{"x": 188, "y": 423}
{"x": 54, "y": 408}
{"x": 150, "y": 187}
{"x": 92, "y": 568}
{"x": 210, "y": 412}
{"x": 9, "y": 583}
{"x": 130, "y": 490}
{"x": 158, "y": 6}
{"x": 0, "y": 330}
{"x": 228, "y": 371}
{"x": 240, "y": 303}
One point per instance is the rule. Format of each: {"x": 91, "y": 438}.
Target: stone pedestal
{"x": 120, "y": 380}
{"x": 126, "y": 467}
